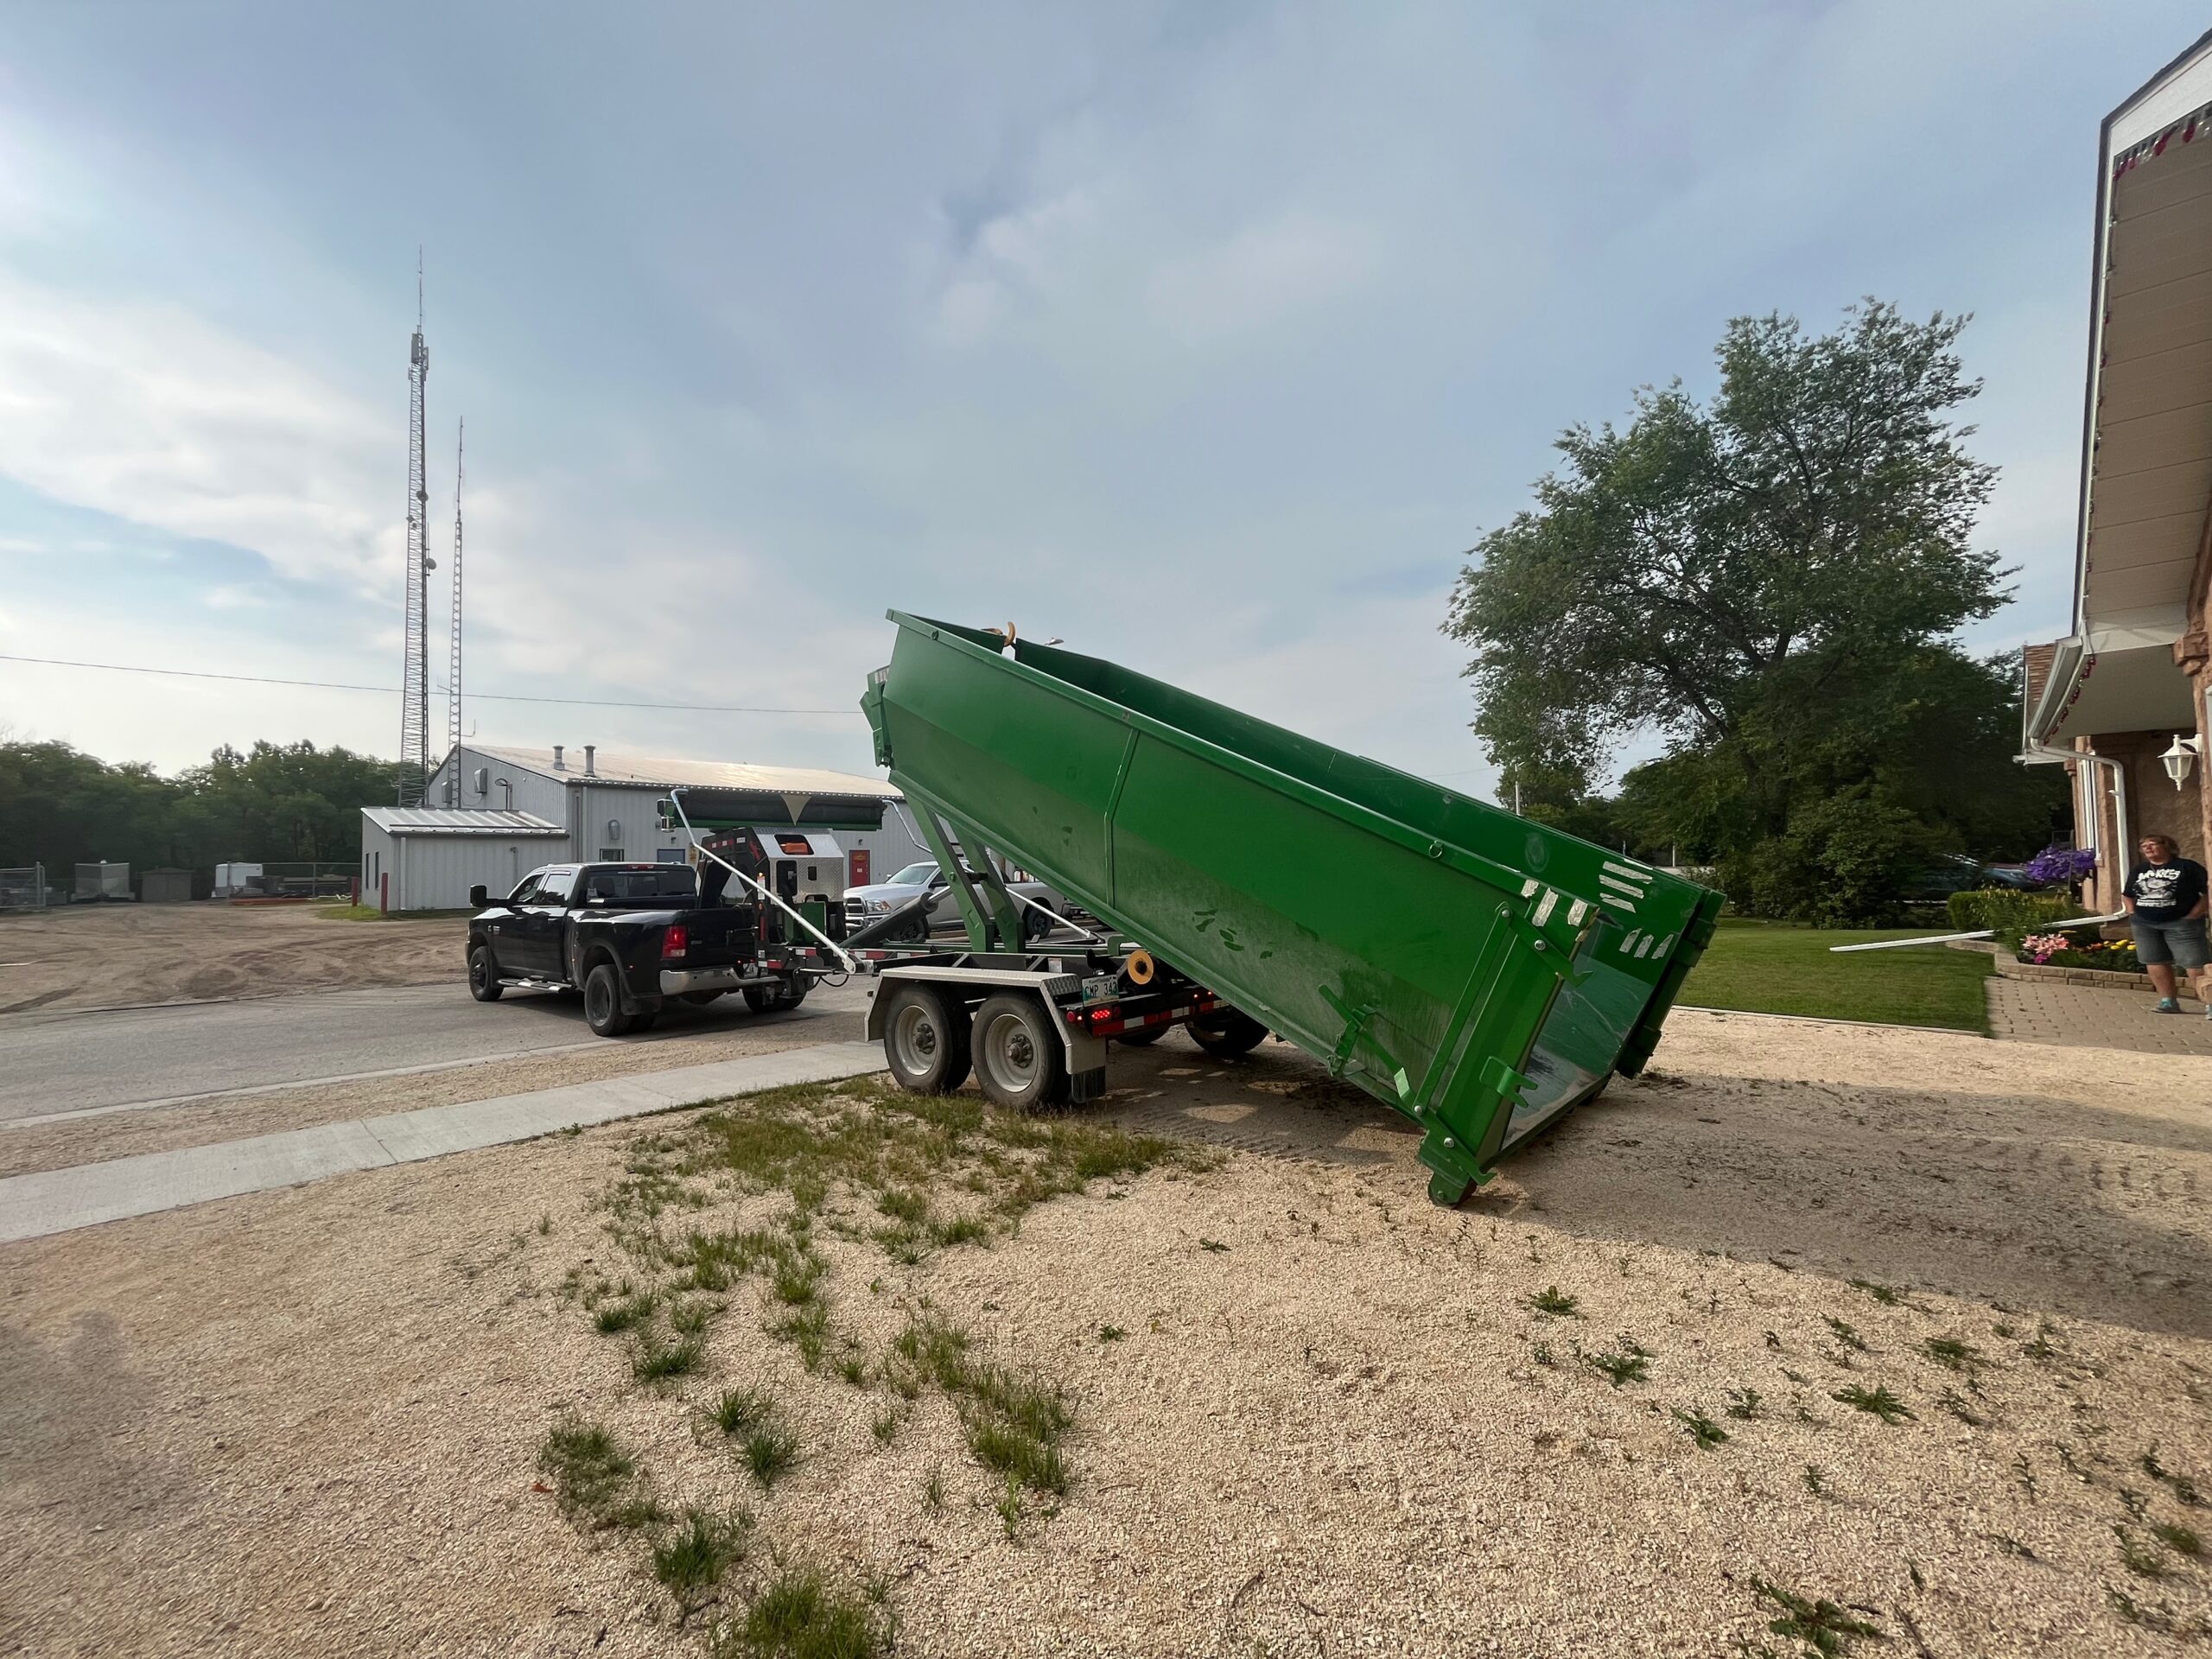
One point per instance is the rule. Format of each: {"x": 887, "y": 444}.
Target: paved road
{"x": 53, "y": 1063}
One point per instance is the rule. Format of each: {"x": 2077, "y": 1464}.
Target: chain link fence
{"x": 24, "y": 888}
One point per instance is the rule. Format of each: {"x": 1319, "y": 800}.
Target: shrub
{"x": 1846, "y": 861}
{"x": 2009, "y": 913}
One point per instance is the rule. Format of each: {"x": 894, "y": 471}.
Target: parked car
{"x": 878, "y": 899}
{"x": 630, "y": 937}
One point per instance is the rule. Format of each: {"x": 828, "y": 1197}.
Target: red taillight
{"x": 676, "y": 941}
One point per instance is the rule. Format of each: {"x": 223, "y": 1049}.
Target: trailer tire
{"x": 1226, "y": 1033}
{"x": 925, "y": 1040}
{"x": 603, "y": 1002}
{"x": 761, "y": 998}
{"x": 1019, "y": 1059}
{"x": 483, "y": 976}
{"x": 792, "y": 993}
{"x": 1144, "y": 1036}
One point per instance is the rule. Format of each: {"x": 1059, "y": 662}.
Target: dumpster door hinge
{"x": 1547, "y": 916}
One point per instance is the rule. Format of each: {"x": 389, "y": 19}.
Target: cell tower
{"x": 415, "y": 678}
{"x": 453, "y": 661}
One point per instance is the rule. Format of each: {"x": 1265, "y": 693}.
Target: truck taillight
{"x": 675, "y": 942}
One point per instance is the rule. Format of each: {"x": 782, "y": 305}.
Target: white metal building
{"x": 521, "y": 808}
{"x": 426, "y": 858}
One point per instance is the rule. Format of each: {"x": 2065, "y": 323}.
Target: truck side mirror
{"x": 480, "y": 896}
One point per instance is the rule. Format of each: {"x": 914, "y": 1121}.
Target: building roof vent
{"x": 590, "y": 765}
{"x": 559, "y": 765}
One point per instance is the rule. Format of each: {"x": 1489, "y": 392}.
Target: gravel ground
{"x": 307, "y": 1421}
{"x": 102, "y": 955}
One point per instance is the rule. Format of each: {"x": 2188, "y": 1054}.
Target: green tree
{"x": 1771, "y": 581}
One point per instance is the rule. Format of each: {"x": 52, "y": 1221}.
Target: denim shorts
{"x": 2182, "y": 944}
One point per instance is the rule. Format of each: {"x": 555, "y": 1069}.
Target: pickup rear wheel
{"x": 483, "y": 976}
{"x": 1226, "y": 1033}
{"x": 603, "y": 1002}
{"x": 926, "y": 1039}
{"x": 1020, "y": 1060}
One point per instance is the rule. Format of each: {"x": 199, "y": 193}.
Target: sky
{"x": 1208, "y": 338}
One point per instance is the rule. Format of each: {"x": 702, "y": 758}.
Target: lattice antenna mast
{"x": 453, "y": 661}
{"x": 415, "y": 678}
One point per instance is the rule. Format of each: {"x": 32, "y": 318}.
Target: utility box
{"x": 165, "y": 888}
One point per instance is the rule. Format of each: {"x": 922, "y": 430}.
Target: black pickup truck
{"x": 630, "y": 938}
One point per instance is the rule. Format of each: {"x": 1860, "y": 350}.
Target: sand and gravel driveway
{"x": 1945, "y": 1299}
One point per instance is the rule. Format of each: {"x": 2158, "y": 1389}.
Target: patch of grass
{"x": 1541, "y": 1353}
{"x": 884, "y": 1426}
{"x": 613, "y": 1318}
{"x": 2011, "y": 1546}
{"x": 771, "y": 1453}
{"x": 1953, "y": 1355}
{"x": 704, "y": 1546}
{"x": 689, "y": 1317}
{"x": 2144, "y": 1563}
{"x": 1847, "y": 1334}
{"x": 737, "y": 1410}
{"x": 544, "y": 1224}
{"x": 1700, "y": 1428}
{"x": 806, "y": 1328}
{"x": 1878, "y": 1401}
{"x": 2183, "y": 1541}
{"x": 933, "y": 1491}
{"x": 1556, "y": 1302}
{"x": 800, "y": 1614}
{"x": 1214, "y": 1245}
{"x": 1882, "y": 1293}
{"x": 1777, "y": 968}
{"x": 657, "y": 1362}
{"x": 594, "y": 1479}
{"x": 1111, "y": 1333}
{"x": 1014, "y": 1419}
{"x": 1815, "y": 1482}
{"x": 1742, "y": 1404}
{"x": 1819, "y": 1624}
{"x": 1631, "y": 1365}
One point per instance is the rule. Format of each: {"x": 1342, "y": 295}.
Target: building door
{"x": 857, "y": 859}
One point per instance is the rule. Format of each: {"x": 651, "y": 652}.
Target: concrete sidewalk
{"x": 57, "y": 1200}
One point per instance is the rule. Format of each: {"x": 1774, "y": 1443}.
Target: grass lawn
{"x": 1776, "y": 967}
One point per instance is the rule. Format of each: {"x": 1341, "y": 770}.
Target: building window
{"x": 610, "y": 854}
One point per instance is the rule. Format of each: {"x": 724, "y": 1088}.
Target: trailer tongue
{"x": 1478, "y": 972}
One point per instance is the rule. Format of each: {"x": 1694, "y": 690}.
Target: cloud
{"x": 142, "y": 410}
{"x": 1261, "y": 277}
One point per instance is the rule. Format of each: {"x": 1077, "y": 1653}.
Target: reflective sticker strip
{"x": 1576, "y": 911}
{"x": 1629, "y": 870}
{"x": 1620, "y": 886}
{"x": 1529, "y": 887}
{"x": 1669, "y": 945}
{"x": 1644, "y": 949}
{"x": 1545, "y": 907}
{"x": 1628, "y": 945}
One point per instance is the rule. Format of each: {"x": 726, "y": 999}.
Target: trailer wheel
{"x": 483, "y": 976}
{"x": 925, "y": 1039}
{"x": 1020, "y": 1060}
{"x": 1144, "y": 1036}
{"x": 791, "y": 992}
{"x": 761, "y": 998}
{"x": 603, "y": 1002}
{"x": 1226, "y": 1033}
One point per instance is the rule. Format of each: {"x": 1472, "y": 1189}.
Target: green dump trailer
{"x": 1480, "y": 973}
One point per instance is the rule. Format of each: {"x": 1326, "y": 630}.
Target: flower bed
{"x": 2063, "y": 951}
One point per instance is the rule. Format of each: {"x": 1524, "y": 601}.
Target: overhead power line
{"x": 387, "y": 690}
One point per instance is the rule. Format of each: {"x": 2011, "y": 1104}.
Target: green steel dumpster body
{"x": 1481, "y": 973}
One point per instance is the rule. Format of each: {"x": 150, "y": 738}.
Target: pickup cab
{"x": 878, "y": 899}
{"x": 630, "y": 938}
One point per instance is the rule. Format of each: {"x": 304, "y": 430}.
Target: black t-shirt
{"x": 2166, "y": 892}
